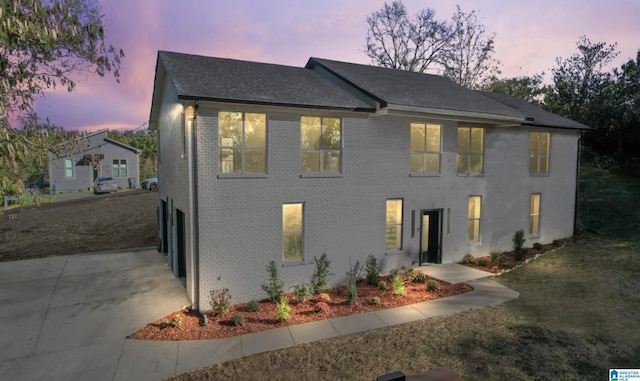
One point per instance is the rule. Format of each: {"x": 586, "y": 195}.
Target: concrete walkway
{"x": 66, "y": 318}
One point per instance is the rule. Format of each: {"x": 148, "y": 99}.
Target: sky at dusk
{"x": 529, "y": 36}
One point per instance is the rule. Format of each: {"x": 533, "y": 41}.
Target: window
{"x": 534, "y": 214}
{"x": 321, "y": 144}
{"x": 292, "y": 229}
{"x": 470, "y": 150}
{"x": 119, "y": 168}
{"x": 539, "y": 143}
{"x": 473, "y": 233}
{"x": 68, "y": 168}
{"x": 242, "y": 140}
{"x": 394, "y": 225}
{"x": 425, "y": 148}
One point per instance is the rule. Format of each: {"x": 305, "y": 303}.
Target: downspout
{"x": 575, "y": 206}
{"x": 194, "y": 210}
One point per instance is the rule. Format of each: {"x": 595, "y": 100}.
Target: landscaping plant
{"x": 175, "y": 320}
{"x": 220, "y": 301}
{"x": 497, "y": 256}
{"x": 321, "y": 273}
{"x": 283, "y": 308}
{"x": 432, "y": 285}
{"x": 303, "y": 292}
{"x": 518, "y": 244}
{"x": 372, "y": 270}
{"x": 237, "y": 319}
{"x": 253, "y": 306}
{"x": 274, "y": 286}
{"x": 397, "y": 282}
{"x": 352, "y": 278}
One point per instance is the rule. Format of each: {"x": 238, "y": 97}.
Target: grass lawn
{"x": 577, "y": 315}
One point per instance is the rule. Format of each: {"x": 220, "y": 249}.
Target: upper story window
{"x": 539, "y": 143}
{"x": 534, "y": 214}
{"x": 68, "y": 168}
{"x": 393, "y": 237}
{"x": 292, "y": 231}
{"x": 470, "y": 157}
{"x": 473, "y": 222}
{"x": 321, "y": 144}
{"x": 425, "y": 148}
{"x": 119, "y": 168}
{"x": 242, "y": 141}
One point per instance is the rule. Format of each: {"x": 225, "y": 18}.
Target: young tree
{"x": 469, "y": 60}
{"x": 527, "y": 88}
{"x": 43, "y": 43}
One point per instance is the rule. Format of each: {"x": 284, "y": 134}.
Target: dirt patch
{"x": 219, "y": 327}
{"x": 120, "y": 220}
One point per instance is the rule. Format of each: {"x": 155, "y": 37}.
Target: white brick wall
{"x": 240, "y": 218}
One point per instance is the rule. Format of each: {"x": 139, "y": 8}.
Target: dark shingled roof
{"x": 399, "y": 87}
{"x": 536, "y": 116}
{"x": 227, "y": 80}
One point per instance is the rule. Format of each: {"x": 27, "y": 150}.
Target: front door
{"x": 430, "y": 237}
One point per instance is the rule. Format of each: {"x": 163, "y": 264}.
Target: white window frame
{"x": 467, "y": 156}
{"x": 474, "y": 218}
{"x": 243, "y": 148}
{"x": 321, "y": 150}
{"x": 425, "y": 152}
{"x": 119, "y": 170}
{"x": 69, "y": 166}
{"x": 534, "y": 213}
{"x": 535, "y": 153}
{"x": 396, "y": 224}
{"x": 290, "y": 232}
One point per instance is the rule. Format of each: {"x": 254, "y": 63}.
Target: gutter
{"x": 575, "y": 202}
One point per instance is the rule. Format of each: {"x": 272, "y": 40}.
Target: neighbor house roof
{"x": 228, "y": 80}
{"x": 536, "y": 116}
{"x": 405, "y": 90}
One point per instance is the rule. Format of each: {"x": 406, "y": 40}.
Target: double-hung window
{"x": 242, "y": 141}
{"x": 394, "y": 225}
{"x": 539, "y": 143}
{"x": 292, "y": 231}
{"x": 119, "y": 168}
{"x": 473, "y": 222}
{"x": 425, "y": 148}
{"x": 534, "y": 214}
{"x": 321, "y": 144}
{"x": 68, "y": 168}
{"x": 470, "y": 157}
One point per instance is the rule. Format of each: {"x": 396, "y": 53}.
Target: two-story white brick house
{"x": 261, "y": 162}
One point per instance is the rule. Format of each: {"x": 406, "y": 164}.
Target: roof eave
{"x": 580, "y": 127}
{"x": 470, "y": 116}
{"x": 277, "y": 104}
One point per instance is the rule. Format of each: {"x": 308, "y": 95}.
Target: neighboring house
{"x": 94, "y": 156}
{"x": 262, "y": 162}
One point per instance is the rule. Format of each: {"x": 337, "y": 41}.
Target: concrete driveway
{"x": 66, "y": 318}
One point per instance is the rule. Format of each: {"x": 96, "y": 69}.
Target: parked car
{"x": 35, "y": 182}
{"x": 104, "y": 185}
{"x": 151, "y": 183}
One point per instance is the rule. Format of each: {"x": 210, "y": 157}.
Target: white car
{"x": 104, "y": 185}
{"x": 151, "y": 184}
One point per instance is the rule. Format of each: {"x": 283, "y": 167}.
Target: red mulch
{"x": 219, "y": 327}
{"x": 511, "y": 261}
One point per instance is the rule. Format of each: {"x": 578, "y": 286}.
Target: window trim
{"x": 126, "y": 167}
{"x": 469, "y": 155}
{"x": 474, "y": 218}
{"x": 301, "y": 231}
{"x": 243, "y": 147}
{"x": 400, "y": 224}
{"x": 425, "y": 153}
{"x": 69, "y": 167}
{"x": 537, "y": 155}
{"x": 536, "y": 213}
{"x": 322, "y": 149}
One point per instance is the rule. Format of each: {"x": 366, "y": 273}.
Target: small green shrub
{"x": 283, "y": 308}
{"x": 375, "y": 300}
{"x": 303, "y": 292}
{"x": 372, "y": 270}
{"x": 481, "y": 262}
{"x": 220, "y": 301}
{"x": 274, "y": 286}
{"x": 537, "y": 246}
{"x": 415, "y": 276}
{"x": 397, "y": 282}
{"x": 238, "y": 319}
{"x": 382, "y": 285}
{"x": 321, "y": 273}
{"x": 497, "y": 256}
{"x": 432, "y": 285}
{"x": 253, "y": 306}
{"x": 352, "y": 292}
{"x": 518, "y": 243}
{"x": 469, "y": 259}
{"x": 393, "y": 273}
{"x": 352, "y": 278}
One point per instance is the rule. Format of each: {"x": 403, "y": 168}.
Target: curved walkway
{"x": 66, "y": 318}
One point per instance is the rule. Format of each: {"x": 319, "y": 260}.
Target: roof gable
{"x": 228, "y": 80}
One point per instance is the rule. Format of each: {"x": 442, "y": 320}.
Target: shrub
{"x": 481, "y": 262}
{"x": 253, "y": 306}
{"x": 321, "y": 273}
{"x": 469, "y": 259}
{"x": 352, "y": 292}
{"x": 322, "y": 307}
{"x": 324, "y": 297}
{"x": 382, "y": 285}
{"x": 237, "y": 319}
{"x": 497, "y": 256}
{"x": 274, "y": 286}
{"x": 432, "y": 285}
{"x": 283, "y": 308}
{"x": 398, "y": 285}
{"x": 393, "y": 273}
{"x": 175, "y": 320}
{"x": 352, "y": 277}
{"x": 415, "y": 275}
{"x": 537, "y": 246}
{"x": 220, "y": 301}
{"x": 303, "y": 292}
{"x": 375, "y": 300}
{"x": 518, "y": 242}
{"x": 372, "y": 270}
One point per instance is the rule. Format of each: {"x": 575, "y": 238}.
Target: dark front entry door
{"x": 180, "y": 244}
{"x": 430, "y": 237}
